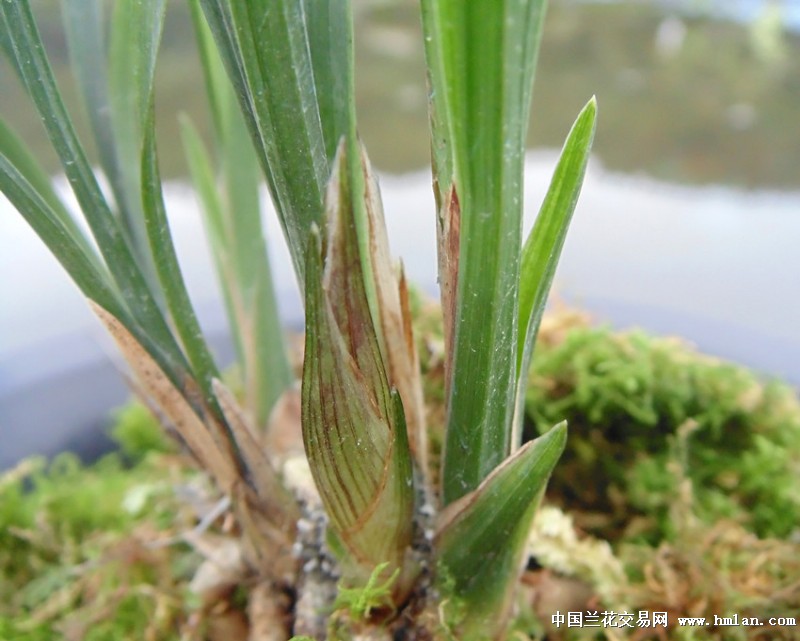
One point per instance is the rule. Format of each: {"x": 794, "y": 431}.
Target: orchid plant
{"x": 412, "y": 549}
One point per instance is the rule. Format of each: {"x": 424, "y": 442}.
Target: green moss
{"x": 73, "y": 555}
{"x": 137, "y": 432}
{"x": 665, "y": 444}
{"x": 637, "y": 405}
{"x": 10, "y": 629}
{"x": 361, "y": 602}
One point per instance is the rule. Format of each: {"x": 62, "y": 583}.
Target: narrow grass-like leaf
{"x": 218, "y": 85}
{"x": 266, "y": 368}
{"x": 353, "y": 424}
{"x": 212, "y": 208}
{"x": 168, "y": 270}
{"x": 220, "y": 23}
{"x": 7, "y": 46}
{"x": 234, "y": 224}
{"x": 276, "y": 52}
{"x": 84, "y": 27}
{"x": 26, "y": 46}
{"x": 135, "y": 36}
{"x": 481, "y": 57}
{"x": 543, "y": 247}
{"x": 330, "y": 36}
{"x": 481, "y": 539}
{"x": 236, "y": 237}
{"x": 74, "y": 256}
{"x": 115, "y": 86}
{"x": 203, "y": 177}
{"x": 265, "y": 47}
{"x": 81, "y": 265}
{"x": 18, "y": 155}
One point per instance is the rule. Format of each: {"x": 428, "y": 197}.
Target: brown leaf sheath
{"x": 207, "y": 441}
{"x": 449, "y": 243}
{"x": 352, "y": 420}
{"x": 396, "y": 336}
{"x": 173, "y": 403}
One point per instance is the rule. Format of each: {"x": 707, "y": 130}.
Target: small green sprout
{"x": 361, "y": 601}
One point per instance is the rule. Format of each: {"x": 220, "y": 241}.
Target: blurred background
{"x": 689, "y": 223}
{"x": 691, "y": 91}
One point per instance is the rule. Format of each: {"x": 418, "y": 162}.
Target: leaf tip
{"x": 590, "y": 109}
{"x": 556, "y": 435}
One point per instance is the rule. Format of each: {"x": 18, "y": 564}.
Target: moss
{"x": 10, "y": 629}
{"x": 359, "y": 603}
{"x": 74, "y": 557}
{"x": 637, "y": 404}
{"x": 682, "y": 462}
{"x": 137, "y": 432}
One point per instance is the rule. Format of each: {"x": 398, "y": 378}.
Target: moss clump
{"x": 683, "y": 463}
{"x": 638, "y": 406}
{"x": 75, "y": 553}
{"x": 686, "y": 465}
{"x": 138, "y": 433}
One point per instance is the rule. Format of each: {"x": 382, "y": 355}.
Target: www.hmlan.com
{"x": 647, "y": 619}
{"x": 719, "y": 621}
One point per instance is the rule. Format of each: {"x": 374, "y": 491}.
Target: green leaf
{"x": 8, "y": 47}
{"x": 265, "y": 47}
{"x": 18, "y": 155}
{"x": 202, "y": 172}
{"x": 353, "y": 424}
{"x": 115, "y": 87}
{"x": 240, "y": 255}
{"x": 151, "y": 328}
{"x": 330, "y": 34}
{"x": 481, "y": 539}
{"x": 233, "y": 222}
{"x": 168, "y": 270}
{"x": 276, "y": 51}
{"x": 74, "y": 256}
{"x": 264, "y": 361}
{"x": 84, "y": 26}
{"x": 218, "y": 87}
{"x": 135, "y": 35}
{"x": 544, "y": 244}
{"x": 481, "y": 57}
